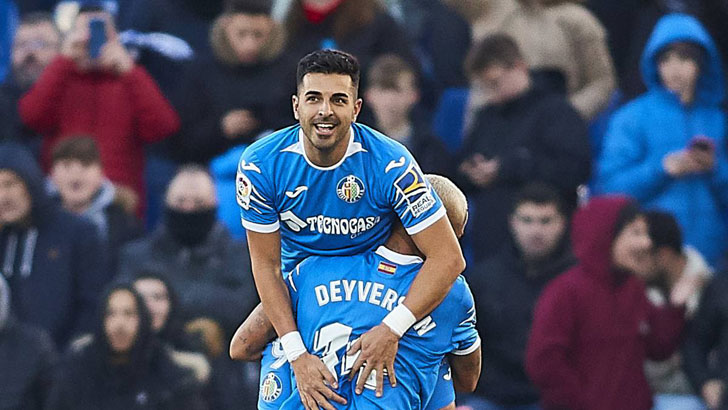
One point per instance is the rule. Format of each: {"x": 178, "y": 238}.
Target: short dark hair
{"x": 83, "y": 149}
{"x": 252, "y": 7}
{"x": 664, "y": 230}
{"x": 685, "y": 49}
{"x": 329, "y": 62}
{"x": 497, "y": 49}
{"x": 385, "y": 71}
{"x": 541, "y": 194}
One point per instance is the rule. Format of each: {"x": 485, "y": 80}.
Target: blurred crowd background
{"x": 124, "y": 265}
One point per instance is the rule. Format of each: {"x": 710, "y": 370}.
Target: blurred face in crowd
{"x": 632, "y": 248}
{"x": 15, "y": 200}
{"x": 537, "y": 229}
{"x": 191, "y": 192}
{"x": 76, "y": 182}
{"x": 155, "y": 295}
{"x": 678, "y": 72}
{"x": 394, "y": 102}
{"x": 502, "y": 83}
{"x": 326, "y": 105}
{"x": 121, "y": 322}
{"x": 247, "y": 34}
{"x": 34, "y": 47}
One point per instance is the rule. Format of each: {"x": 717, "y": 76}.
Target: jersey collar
{"x": 352, "y": 149}
{"x": 398, "y": 258}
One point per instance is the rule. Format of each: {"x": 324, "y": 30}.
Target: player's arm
{"x": 444, "y": 262}
{"x": 312, "y": 376}
{"x": 252, "y": 336}
{"x": 465, "y": 370}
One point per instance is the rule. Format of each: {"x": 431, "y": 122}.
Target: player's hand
{"x": 313, "y": 379}
{"x": 378, "y": 348}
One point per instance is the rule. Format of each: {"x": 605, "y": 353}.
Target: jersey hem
{"x": 468, "y": 350}
{"x": 260, "y": 228}
{"x": 417, "y": 228}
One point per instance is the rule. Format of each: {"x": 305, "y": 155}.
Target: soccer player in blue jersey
{"x": 329, "y": 186}
{"x": 336, "y": 299}
{"x": 252, "y": 336}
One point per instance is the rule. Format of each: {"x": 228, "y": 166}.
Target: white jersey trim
{"x": 398, "y": 258}
{"x": 417, "y": 228}
{"x": 468, "y": 350}
{"x": 352, "y": 149}
{"x": 260, "y": 228}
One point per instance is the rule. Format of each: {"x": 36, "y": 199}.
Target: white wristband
{"x": 400, "y": 319}
{"x": 292, "y": 345}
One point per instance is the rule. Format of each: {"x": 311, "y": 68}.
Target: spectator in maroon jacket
{"x": 109, "y": 97}
{"x": 594, "y": 326}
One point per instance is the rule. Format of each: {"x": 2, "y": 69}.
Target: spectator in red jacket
{"x": 109, "y": 97}
{"x": 594, "y": 326}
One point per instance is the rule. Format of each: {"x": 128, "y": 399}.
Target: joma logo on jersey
{"x": 350, "y": 189}
{"x": 328, "y": 225}
{"x": 414, "y": 190}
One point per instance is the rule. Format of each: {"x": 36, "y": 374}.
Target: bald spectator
{"x": 207, "y": 268}
{"x": 108, "y": 97}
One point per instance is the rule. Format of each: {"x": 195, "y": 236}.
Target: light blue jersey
{"x": 337, "y": 299}
{"x": 344, "y": 209}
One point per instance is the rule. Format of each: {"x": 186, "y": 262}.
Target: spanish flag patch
{"x": 387, "y": 268}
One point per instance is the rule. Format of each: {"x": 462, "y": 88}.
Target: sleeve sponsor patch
{"x": 414, "y": 190}
{"x": 243, "y": 190}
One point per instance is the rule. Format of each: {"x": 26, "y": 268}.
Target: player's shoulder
{"x": 318, "y": 265}
{"x": 460, "y": 294}
{"x": 267, "y": 147}
{"x": 378, "y": 145}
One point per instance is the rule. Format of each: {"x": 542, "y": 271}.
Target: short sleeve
{"x": 410, "y": 194}
{"x": 255, "y": 194}
{"x": 465, "y": 337}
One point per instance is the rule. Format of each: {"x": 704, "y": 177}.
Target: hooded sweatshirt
{"x": 657, "y": 123}
{"x": 593, "y": 326}
{"x": 27, "y": 357}
{"x": 54, "y": 263}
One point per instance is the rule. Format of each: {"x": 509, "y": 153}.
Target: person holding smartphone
{"x": 667, "y": 148}
{"x": 94, "y": 88}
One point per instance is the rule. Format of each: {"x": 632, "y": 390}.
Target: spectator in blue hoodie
{"x": 52, "y": 260}
{"x": 667, "y": 148}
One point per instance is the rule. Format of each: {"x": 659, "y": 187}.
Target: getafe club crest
{"x": 350, "y": 189}
{"x": 271, "y": 388}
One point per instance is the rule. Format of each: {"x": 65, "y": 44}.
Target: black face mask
{"x": 190, "y": 228}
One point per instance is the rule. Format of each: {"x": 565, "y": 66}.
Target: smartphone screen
{"x": 97, "y": 37}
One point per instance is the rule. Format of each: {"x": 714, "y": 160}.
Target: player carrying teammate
{"x": 329, "y": 186}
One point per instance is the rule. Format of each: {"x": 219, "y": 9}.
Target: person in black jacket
{"x": 392, "y": 93}
{"x": 37, "y": 41}
{"x": 78, "y": 180}
{"x": 243, "y": 88}
{"x": 27, "y": 355}
{"x": 522, "y": 135}
{"x": 705, "y": 350}
{"x": 123, "y": 367}
{"x": 506, "y": 288}
{"x": 208, "y": 270}
{"x": 53, "y": 260}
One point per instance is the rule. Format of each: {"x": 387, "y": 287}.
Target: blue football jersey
{"x": 337, "y": 299}
{"x": 344, "y": 209}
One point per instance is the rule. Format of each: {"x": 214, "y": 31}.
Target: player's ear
{"x": 357, "y": 107}
{"x": 294, "y": 101}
